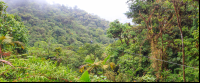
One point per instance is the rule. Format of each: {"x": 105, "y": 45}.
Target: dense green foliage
{"x": 36, "y": 69}
{"x": 64, "y": 25}
{"x": 57, "y": 43}
{"x": 11, "y": 25}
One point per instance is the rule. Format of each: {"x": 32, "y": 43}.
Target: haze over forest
{"x": 107, "y": 9}
{"x": 93, "y": 41}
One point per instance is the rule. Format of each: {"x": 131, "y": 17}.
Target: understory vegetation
{"x": 40, "y": 42}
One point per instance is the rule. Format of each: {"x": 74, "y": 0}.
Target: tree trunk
{"x": 120, "y": 39}
{"x": 176, "y": 8}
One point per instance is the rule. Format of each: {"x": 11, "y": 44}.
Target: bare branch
{"x": 6, "y": 62}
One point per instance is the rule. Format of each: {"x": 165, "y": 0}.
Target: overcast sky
{"x": 107, "y": 9}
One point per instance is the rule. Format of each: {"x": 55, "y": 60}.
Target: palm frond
{"x": 6, "y": 39}
{"x": 20, "y": 43}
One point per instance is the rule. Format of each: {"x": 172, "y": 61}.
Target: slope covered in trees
{"x": 58, "y": 23}
{"x": 162, "y": 47}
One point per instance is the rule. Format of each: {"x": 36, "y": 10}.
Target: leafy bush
{"x": 101, "y": 78}
{"x": 36, "y": 70}
{"x": 146, "y": 78}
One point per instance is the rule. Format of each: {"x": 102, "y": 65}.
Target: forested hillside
{"x": 58, "y": 23}
{"x": 40, "y": 42}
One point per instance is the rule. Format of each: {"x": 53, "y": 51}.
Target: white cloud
{"x": 107, "y": 9}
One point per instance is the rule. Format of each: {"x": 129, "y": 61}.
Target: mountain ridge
{"x": 67, "y": 26}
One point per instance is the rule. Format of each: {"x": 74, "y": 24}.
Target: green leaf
{"x": 178, "y": 58}
{"x": 85, "y": 77}
{"x": 96, "y": 60}
{"x": 88, "y": 59}
{"x": 106, "y": 59}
